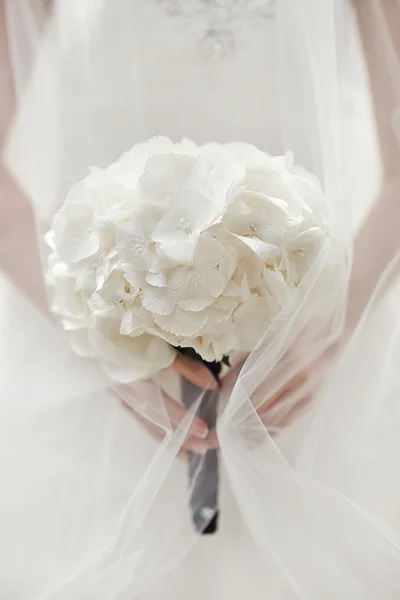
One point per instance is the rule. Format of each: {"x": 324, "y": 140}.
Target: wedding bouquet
{"x": 178, "y": 246}
{"x": 183, "y": 248}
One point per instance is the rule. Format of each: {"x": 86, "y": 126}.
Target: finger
{"x": 235, "y": 368}
{"x": 276, "y": 413}
{"x": 176, "y": 413}
{"x": 157, "y": 432}
{"x": 228, "y": 379}
{"x": 154, "y": 405}
{"x": 286, "y": 416}
{"x": 296, "y": 411}
{"x": 191, "y": 444}
{"x": 291, "y": 417}
{"x": 285, "y": 393}
{"x": 195, "y": 372}
{"x": 261, "y": 393}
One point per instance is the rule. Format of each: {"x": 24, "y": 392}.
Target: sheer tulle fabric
{"x": 92, "y": 506}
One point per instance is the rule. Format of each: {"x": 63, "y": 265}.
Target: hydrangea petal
{"x": 157, "y": 301}
{"x": 164, "y": 174}
{"x": 79, "y": 340}
{"x": 128, "y": 359}
{"x": 74, "y": 237}
{"x": 189, "y": 212}
{"x": 135, "y": 251}
{"x": 181, "y": 322}
{"x": 268, "y": 253}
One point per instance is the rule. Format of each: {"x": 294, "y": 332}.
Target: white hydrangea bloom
{"x": 177, "y": 245}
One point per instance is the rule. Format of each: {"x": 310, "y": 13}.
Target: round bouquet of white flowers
{"x": 179, "y": 246}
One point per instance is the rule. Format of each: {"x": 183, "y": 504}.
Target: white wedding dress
{"x": 92, "y": 507}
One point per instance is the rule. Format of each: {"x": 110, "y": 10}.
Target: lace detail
{"x": 220, "y": 23}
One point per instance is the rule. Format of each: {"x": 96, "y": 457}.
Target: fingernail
{"x": 199, "y": 447}
{"x": 199, "y": 429}
{"x": 212, "y": 383}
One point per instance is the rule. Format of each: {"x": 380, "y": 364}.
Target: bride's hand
{"x": 156, "y": 410}
{"x": 153, "y": 406}
{"x": 281, "y": 408}
{"x": 293, "y": 398}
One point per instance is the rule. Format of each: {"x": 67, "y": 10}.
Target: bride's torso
{"x": 210, "y": 74}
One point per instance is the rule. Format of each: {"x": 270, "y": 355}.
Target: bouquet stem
{"x": 203, "y": 469}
